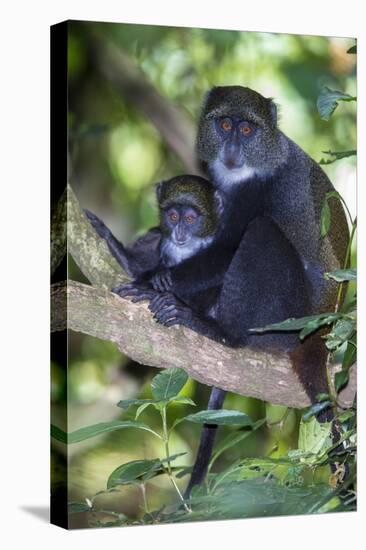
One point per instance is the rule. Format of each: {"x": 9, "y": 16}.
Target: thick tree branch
{"x": 104, "y": 315}
{"x": 89, "y": 251}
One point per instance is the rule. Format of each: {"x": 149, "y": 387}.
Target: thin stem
{"x": 170, "y": 474}
{"x": 143, "y": 491}
{"x": 346, "y": 207}
{"x": 331, "y": 388}
{"x": 346, "y": 260}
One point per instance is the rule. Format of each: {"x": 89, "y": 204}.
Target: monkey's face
{"x": 182, "y": 224}
{"x": 238, "y": 136}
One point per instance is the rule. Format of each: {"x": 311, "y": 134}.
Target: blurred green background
{"x": 135, "y": 94}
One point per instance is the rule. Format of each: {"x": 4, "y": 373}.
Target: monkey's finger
{"x": 121, "y": 287}
{"x": 172, "y": 322}
{"x": 164, "y": 314}
{"x": 167, "y": 281}
{"x": 141, "y": 297}
{"x": 157, "y": 301}
{"x": 130, "y": 291}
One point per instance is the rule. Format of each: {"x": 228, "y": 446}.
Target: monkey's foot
{"x": 136, "y": 291}
{"x": 162, "y": 281}
{"x": 169, "y": 311}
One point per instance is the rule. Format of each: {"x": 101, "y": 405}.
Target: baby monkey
{"x": 189, "y": 209}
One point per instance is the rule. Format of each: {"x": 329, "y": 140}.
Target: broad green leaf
{"x": 167, "y": 384}
{"x": 341, "y": 379}
{"x": 233, "y": 439}
{"x": 314, "y": 437}
{"x": 337, "y": 155}
{"x": 221, "y": 417}
{"x": 315, "y": 409}
{"x": 344, "y": 329}
{"x": 328, "y": 101}
{"x": 126, "y": 403}
{"x": 350, "y": 354}
{"x": 182, "y": 400}
{"x": 325, "y": 219}
{"x": 341, "y": 332}
{"x": 104, "y": 427}
{"x": 346, "y": 415}
{"x": 251, "y": 498}
{"x": 341, "y": 275}
{"x": 138, "y": 470}
{"x": 141, "y": 409}
{"x": 58, "y": 434}
{"x": 77, "y": 507}
{"x": 299, "y": 323}
{"x": 132, "y": 472}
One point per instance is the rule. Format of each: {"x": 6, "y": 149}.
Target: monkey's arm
{"x": 204, "y": 270}
{"x": 142, "y": 256}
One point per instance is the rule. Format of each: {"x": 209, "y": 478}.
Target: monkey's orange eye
{"x": 246, "y": 130}
{"x": 173, "y": 217}
{"x": 189, "y": 219}
{"x": 226, "y": 125}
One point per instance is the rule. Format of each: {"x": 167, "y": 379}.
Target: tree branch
{"x": 98, "y": 312}
{"x": 173, "y": 124}
{"x": 245, "y": 371}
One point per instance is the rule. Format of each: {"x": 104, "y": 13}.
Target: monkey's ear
{"x": 158, "y": 189}
{"x": 273, "y": 110}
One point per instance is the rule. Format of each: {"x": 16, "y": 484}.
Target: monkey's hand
{"x": 136, "y": 291}
{"x": 98, "y": 225}
{"x": 162, "y": 281}
{"x": 169, "y": 311}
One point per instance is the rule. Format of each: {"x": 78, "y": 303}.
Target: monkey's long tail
{"x": 207, "y": 440}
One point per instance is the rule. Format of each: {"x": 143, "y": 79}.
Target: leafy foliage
{"x": 337, "y": 155}
{"x": 328, "y": 101}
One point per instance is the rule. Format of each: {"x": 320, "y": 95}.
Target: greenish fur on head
{"x": 266, "y": 150}
{"x": 191, "y": 191}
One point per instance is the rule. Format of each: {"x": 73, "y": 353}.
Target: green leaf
{"x": 221, "y": 417}
{"x": 314, "y": 437}
{"x": 325, "y": 219}
{"x": 338, "y": 155}
{"x": 58, "y": 434}
{"x": 315, "y": 409}
{"x": 168, "y": 384}
{"x": 233, "y": 439}
{"x": 105, "y": 427}
{"x": 328, "y": 101}
{"x": 182, "y": 400}
{"x": 311, "y": 323}
{"x": 141, "y": 409}
{"x": 139, "y": 470}
{"x": 126, "y": 403}
{"x": 251, "y": 498}
{"x": 341, "y": 275}
{"x": 77, "y": 507}
{"x": 341, "y": 332}
{"x": 350, "y": 354}
{"x": 352, "y": 49}
{"x": 132, "y": 471}
{"x": 341, "y": 379}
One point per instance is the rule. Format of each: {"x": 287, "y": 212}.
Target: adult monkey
{"x": 248, "y": 158}
{"x": 242, "y": 149}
